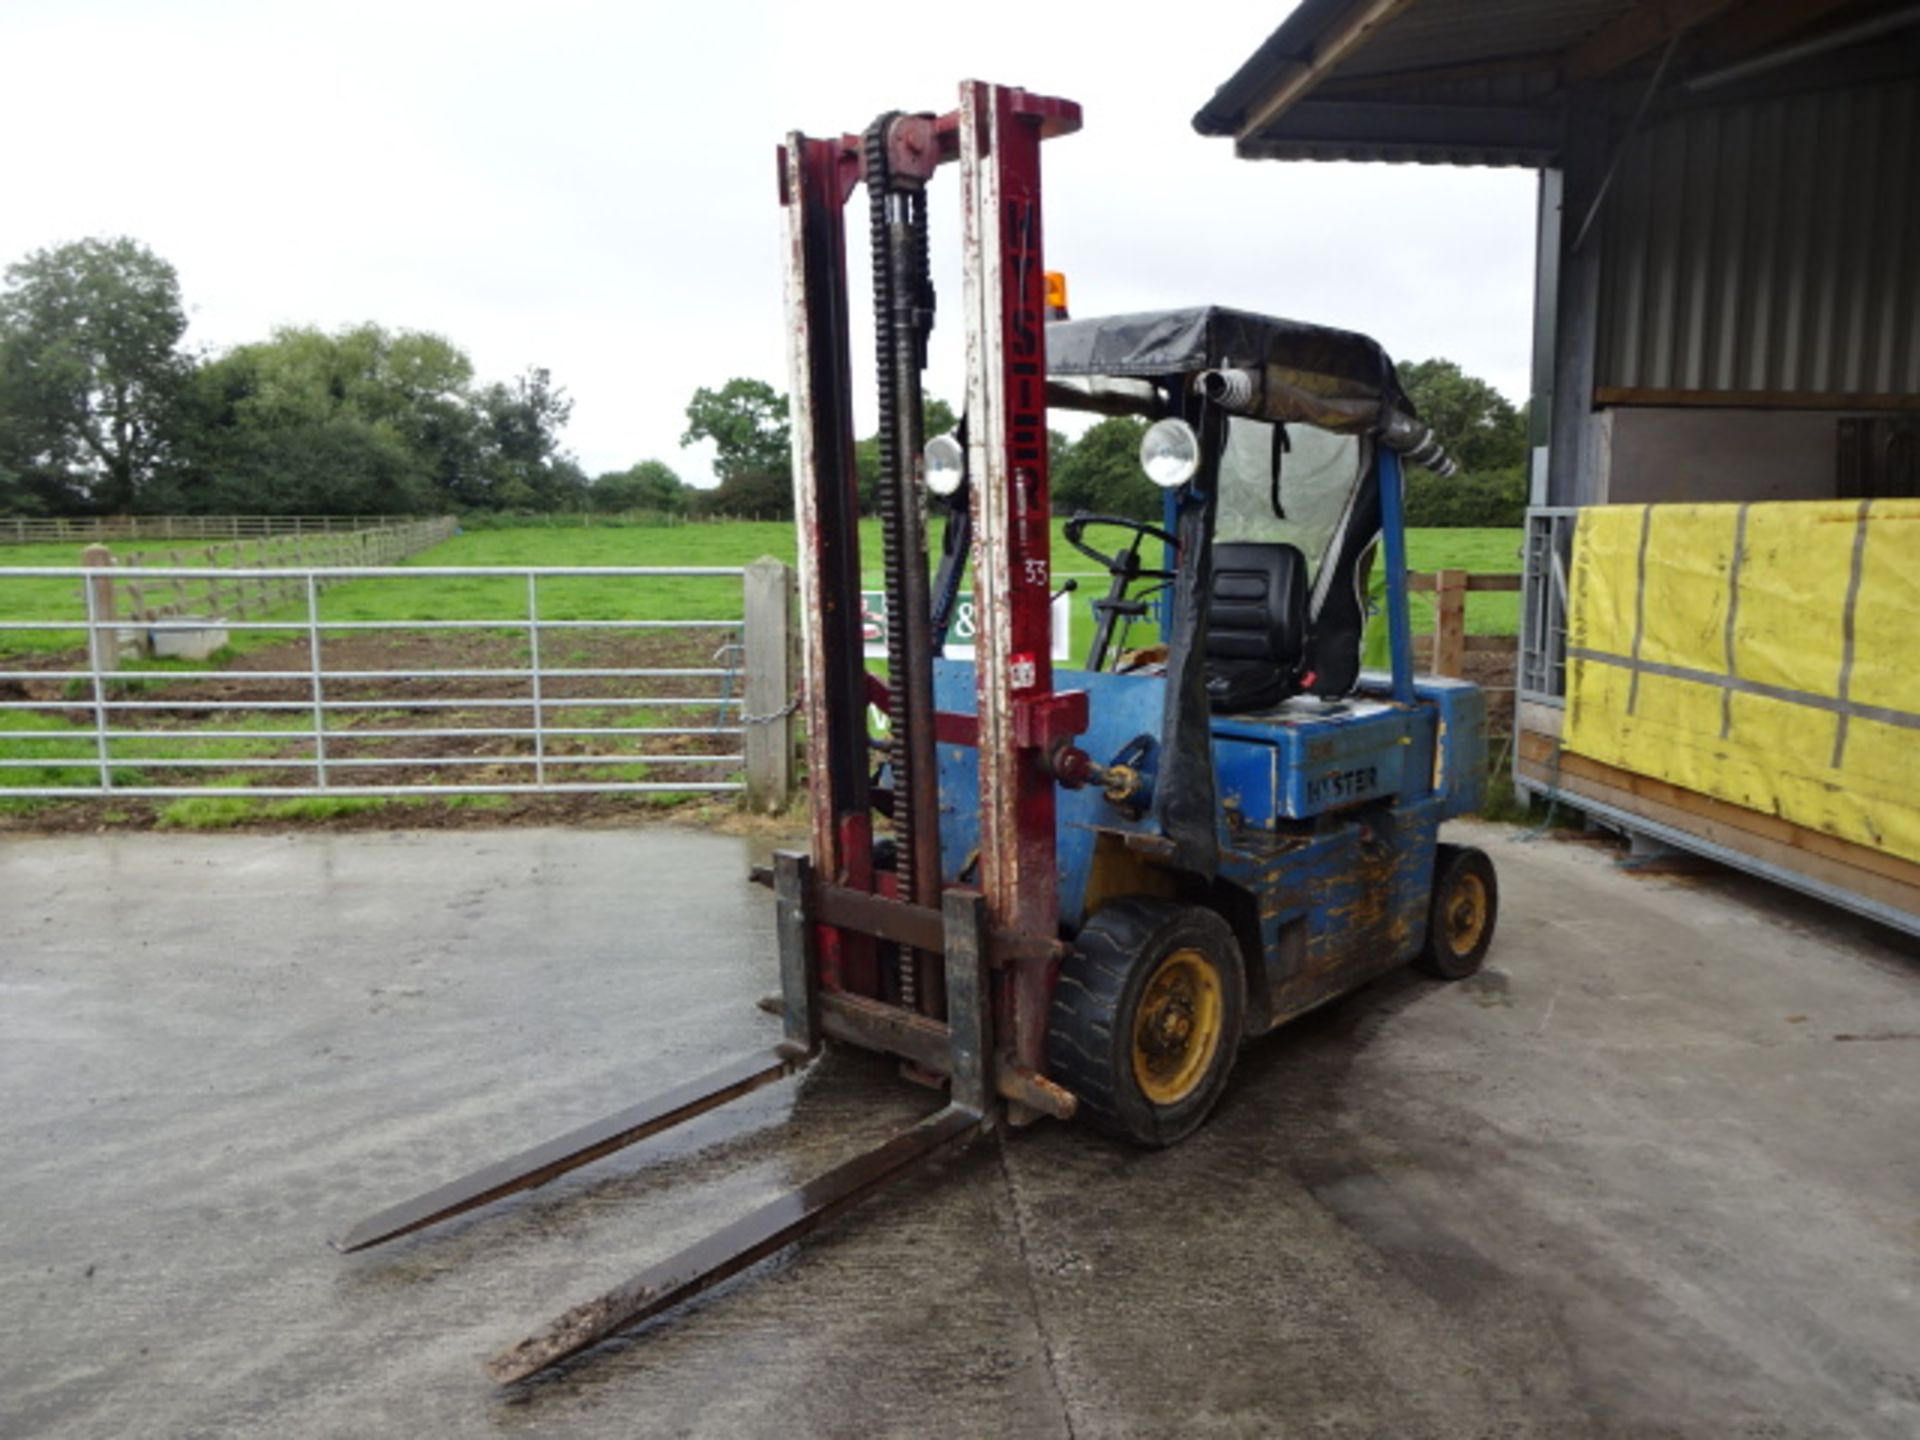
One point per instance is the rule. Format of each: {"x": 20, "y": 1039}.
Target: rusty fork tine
{"x": 727, "y": 1252}
{"x": 579, "y": 1147}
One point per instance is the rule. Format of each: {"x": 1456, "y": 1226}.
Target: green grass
{"x": 585, "y": 597}
{"x": 74, "y": 761}
{"x": 1481, "y": 552}
{"x": 219, "y": 812}
{"x": 36, "y": 599}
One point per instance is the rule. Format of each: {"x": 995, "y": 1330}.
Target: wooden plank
{"x": 1755, "y": 399}
{"x": 1420, "y": 580}
{"x": 1710, "y": 810}
{"x": 1635, "y": 32}
{"x": 1491, "y": 644}
{"x": 1541, "y": 719}
{"x": 1450, "y": 623}
{"x": 1867, "y": 884}
{"x": 1293, "y": 79}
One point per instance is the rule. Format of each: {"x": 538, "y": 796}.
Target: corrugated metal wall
{"x": 1772, "y": 246}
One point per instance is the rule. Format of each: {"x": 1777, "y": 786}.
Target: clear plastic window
{"x": 1319, "y": 471}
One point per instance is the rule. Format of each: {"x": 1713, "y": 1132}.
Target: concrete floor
{"x": 1653, "y": 1173}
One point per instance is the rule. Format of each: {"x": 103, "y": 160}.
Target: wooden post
{"x": 103, "y": 639}
{"x": 771, "y": 673}
{"x": 1450, "y": 623}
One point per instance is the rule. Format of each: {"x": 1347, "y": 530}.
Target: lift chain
{"x": 903, "y": 316}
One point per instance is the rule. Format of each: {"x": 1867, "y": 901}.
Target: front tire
{"x": 1461, "y": 914}
{"x": 1147, "y": 1018}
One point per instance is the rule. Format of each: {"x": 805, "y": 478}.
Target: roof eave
{"x": 1309, "y": 43}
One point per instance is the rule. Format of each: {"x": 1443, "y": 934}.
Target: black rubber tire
{"x": 1462, "y": 875}
{"x": 1090, "y": 1030}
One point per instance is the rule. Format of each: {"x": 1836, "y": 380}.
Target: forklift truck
{"x": 1073, "y": 892}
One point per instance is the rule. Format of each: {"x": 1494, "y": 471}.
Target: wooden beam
{"x": 1532, "y": 63}
{"x": 1392, "y": 122}
{"x": 1340, "y": 39}
{"x": 1536, "y": 718}
{"x": 1756, "y": 27}
{"x": 1725, "y": 823}
{"x": 1644, "y": 28}
{"x": 1425, "y": 580}
{"x": 1754, "y": 399}
{"x": 1450, "y": 623}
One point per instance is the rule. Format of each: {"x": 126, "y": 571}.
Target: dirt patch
{"x": 393, "y": 699}
{"x": 423, "y": 682}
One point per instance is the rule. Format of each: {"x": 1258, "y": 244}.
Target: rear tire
{"x": 1461, "y": 914}
{"x": 1147, "y": 1018}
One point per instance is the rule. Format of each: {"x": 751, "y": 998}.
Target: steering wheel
{"x": 1125, "y": 562}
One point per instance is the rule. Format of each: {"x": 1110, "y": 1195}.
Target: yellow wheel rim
{"x": 1466, "y": 914}
{"x": 1176, "y": 1027}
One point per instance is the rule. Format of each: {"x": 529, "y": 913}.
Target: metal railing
{"x": 320, "y": 698}
{"x": 1547, "y": 557}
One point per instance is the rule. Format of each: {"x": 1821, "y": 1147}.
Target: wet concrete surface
{"x": 1653, "y": 1173}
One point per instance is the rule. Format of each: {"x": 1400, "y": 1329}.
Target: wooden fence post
{"x": 767, "y": 721}
{"x": 103, "y": 641}
{"x": 1450, "y": 623}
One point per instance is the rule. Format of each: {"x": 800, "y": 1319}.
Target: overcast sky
{"x": 589, "y": 186}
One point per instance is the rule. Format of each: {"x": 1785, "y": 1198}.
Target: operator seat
{"x": 1256, "y": 625}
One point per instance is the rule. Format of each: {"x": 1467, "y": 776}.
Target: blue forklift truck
{"x": 1247, "y": 858}
{"x": 1073, "y": 892}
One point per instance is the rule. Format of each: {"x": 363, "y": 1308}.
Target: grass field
{"x": 566, "y": 598}
{"x": 486, "y": 598}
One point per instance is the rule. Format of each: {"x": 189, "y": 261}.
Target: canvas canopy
{"x": 1310, "y": 374}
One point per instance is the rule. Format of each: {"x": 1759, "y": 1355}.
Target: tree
{"x": 1100, "y": 472}
{"x": 1486, "y": 498}
{"x": 650, "y": 485}
{"x": 1477, "y": 424}
{"x": 369, "y": 421}
{"x": 360, "y": 420}
{"x": 749, "y": 496}
{"x": 16, "y": 497}
{"x": 90, "y": 371}
{"x": 936, "y": 418}
{"x": 747, "y": 422}
{"x": 521, "y": 464}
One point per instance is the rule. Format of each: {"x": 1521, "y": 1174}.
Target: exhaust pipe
{"x": 1235, "y": 390}
{"x": 1418, "y": 444}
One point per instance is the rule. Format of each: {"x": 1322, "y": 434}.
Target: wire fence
{"x": 412, "y": 680}
{"x": 80, "y": 529}
{"x": 254, "y": 575}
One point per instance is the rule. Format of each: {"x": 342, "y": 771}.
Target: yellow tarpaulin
{"x": 1764, "y": 654}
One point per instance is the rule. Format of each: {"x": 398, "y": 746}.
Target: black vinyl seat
{"x": 1256, "y": 625}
